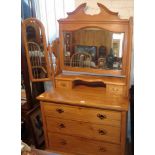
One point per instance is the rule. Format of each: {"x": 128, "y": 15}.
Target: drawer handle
{"x": 63, "y": 142}
{"x": 61, "y": 125}
{"x": 102, "y": 149}
{"x": 59, "y": 110}
{"x": 101, "y": 116}
{"x": 102, "y": 132}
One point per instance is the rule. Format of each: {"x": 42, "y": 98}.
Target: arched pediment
{"x": 80, "y": 15}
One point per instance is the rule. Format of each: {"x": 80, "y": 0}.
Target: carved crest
{"x": 80, "y": 15}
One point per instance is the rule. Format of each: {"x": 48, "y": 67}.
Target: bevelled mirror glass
{"x": 93, "y": 48}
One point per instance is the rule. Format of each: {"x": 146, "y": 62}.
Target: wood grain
{"x": 63, "y": 84}
{"x": 123, "y": 132}
{"x": 90, "y": 78}
{"x": 81, "y": 129}
{"x": 83, "y": 146}
{"x": 99, "y": 116}
{"x": 95, "y": 37}
{"x": 87, "y": 97}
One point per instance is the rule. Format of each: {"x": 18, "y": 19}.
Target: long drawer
{"x": 82, "y": 129}
{"x": 77, "y": 145}
{"x": 84, "y": 114}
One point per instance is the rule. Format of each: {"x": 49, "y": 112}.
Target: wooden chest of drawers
{"x": 85, "y": 112}
{"x": 83, "y": 129}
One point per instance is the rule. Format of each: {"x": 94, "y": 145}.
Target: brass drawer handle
{"x": 59, "y": 110}
{"x": 102, "y": 132}
{"x": 101, "y": 116}
{"x": 102, "y": 149}
{"x": 61, "y": 125}
{"x": 63, "y": 142}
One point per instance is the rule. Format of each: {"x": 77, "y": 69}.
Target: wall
{"x": 124, "y": 7}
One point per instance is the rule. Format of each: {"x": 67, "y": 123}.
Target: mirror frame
{"x": 107, "y": 20}
{"x": 36, "y": 22}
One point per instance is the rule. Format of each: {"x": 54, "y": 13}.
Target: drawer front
{"x": 81, "y": 146}
{"x": 63, "y": 84}
{"x": 83, "y": 114}
{"x": 115, "y": 90}
{"x": 82, "y": 129}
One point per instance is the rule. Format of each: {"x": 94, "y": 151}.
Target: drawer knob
{"x": 61, "y": 125}
{"x": 102, "y": 149}
{"x": 63, "y": 142}
{"x": 59, "y": 110}
{"x": 101, "y": 116}
{"x": 102, "y": 132}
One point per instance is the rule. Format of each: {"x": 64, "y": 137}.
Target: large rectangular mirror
{"x": 93, "y": 48}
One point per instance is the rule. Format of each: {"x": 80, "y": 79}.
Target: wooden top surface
{"x": 87, "y": 97}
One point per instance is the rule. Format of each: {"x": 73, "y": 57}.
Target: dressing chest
{"x": 86, "y": 110}
{"x": 84, "y": 121}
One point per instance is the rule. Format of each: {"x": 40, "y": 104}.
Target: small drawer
{"x": 78, "y": 145}
{"x": 63, "y": 84}
{"x": 82, "y": 129}
{"x": 115, "y": 90}
{"x": 83, "y": 114}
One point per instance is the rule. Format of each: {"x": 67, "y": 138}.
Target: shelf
{"x": 89, "y": 78}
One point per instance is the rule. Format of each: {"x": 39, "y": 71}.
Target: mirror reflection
{"x": 36, "y": 50}
{"x": 93, "y": 48}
